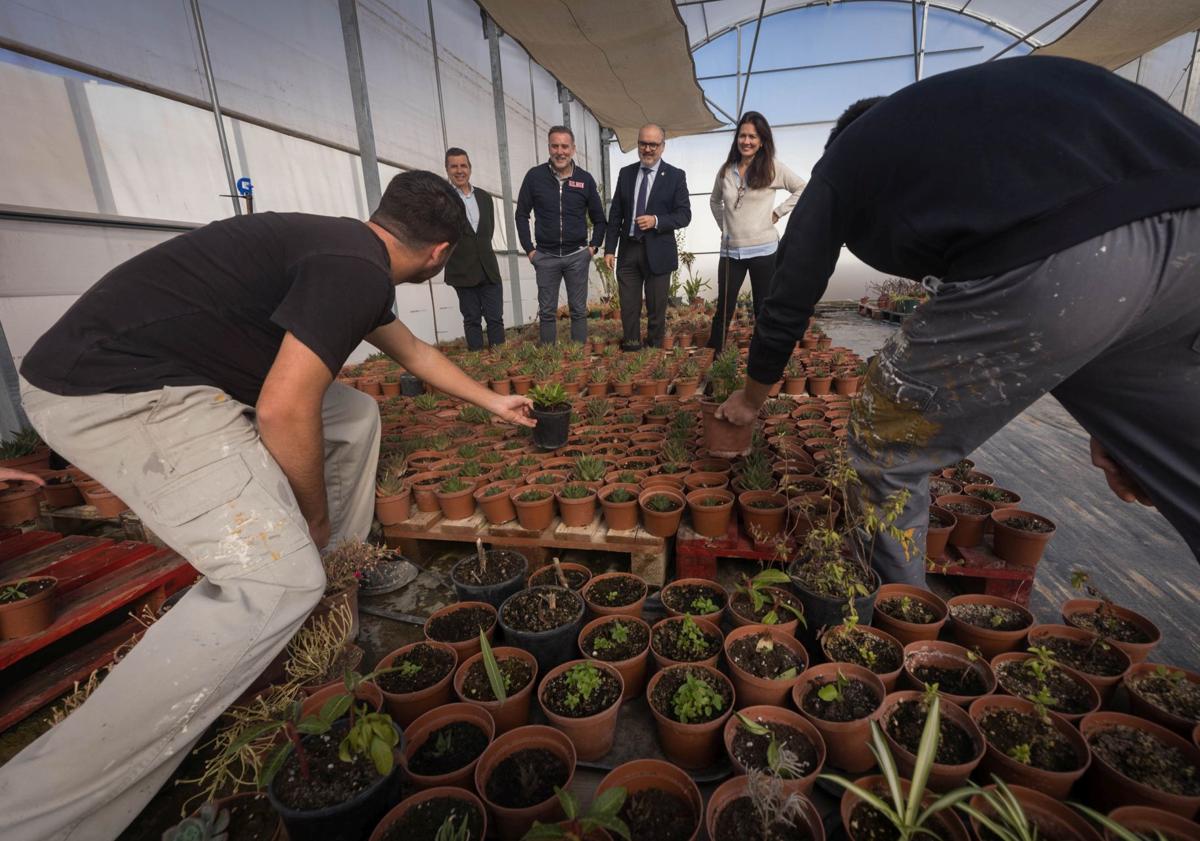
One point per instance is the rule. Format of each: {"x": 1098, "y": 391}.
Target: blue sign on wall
{"x": 244, "y": 186}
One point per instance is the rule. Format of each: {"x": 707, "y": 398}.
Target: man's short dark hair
{"x": 421, "y": 209}
{"x": 560, "y": 130}
{"x": 455, "y": 152}
{"x": 851, "y": 114}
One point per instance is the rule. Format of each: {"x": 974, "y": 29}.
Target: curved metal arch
{"x": 943, "y": 5}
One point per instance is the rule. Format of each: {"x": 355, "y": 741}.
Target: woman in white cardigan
{"x": 742, "y": 203}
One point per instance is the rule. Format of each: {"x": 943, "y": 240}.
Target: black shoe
{"x": 630, "y": 348}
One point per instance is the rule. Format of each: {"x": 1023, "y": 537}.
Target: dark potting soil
{"x": 1143, "y": 758}
{"x": 543, "y": 609}
{"x": 663, "y": 696}
{"x": 252, "y": 819}
{"x": 858, "y": 701}
{"x": 526, "y": 778}
{"x": 869, "y": 824}
{"x": 421, "y": 823}
{"x": 742, "y": 606}
{"x": 751, "y": 750}
{"x": 449, "y": 748}
{"x": 617, "y": 592}
{"x": 27, "y": 590}
{"x": 1112, "y": 627}
{"x": 1095, "y": 659}
{"x": 941, "y": 487}
{"x": 1007, "y": 730}
{"x": 863, "y": 649}
{"x": 968, "y": 508}
{"x": 461, "y": 625}
{"x": 656, "y": 815}
{"x": 759, "y": 655}
{"x": 591, "y": 693}
{"x": 739, "y": 821}
{"x": 331, "y": 781}
{"x": 764, "y": 505}
{"x": 1070, "y": 696}
{"x": 907, "y": 609}
{"x": 964, "y": 681}
{"x": 690, "y": 598}
{"x": 1030, "y": 524}
{"x": 989, "y": 616}
{"x": 684, "y": 641}
{"x": 575, "y": 578}
{"x": 907, "y": 721}
{"x": 432, "y": 664}
{"x": 1170, "y": 691}
{"x": 516, "y": 673}
{"x": 937, "y": 521}
{"x": 617, "y": 640}
{"x": 500, "y": 565}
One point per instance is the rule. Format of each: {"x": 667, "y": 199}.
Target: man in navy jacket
{"x": 650, "y": 202}
{"x": 562, "y": 197}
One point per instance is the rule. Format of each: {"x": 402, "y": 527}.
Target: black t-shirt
{"x": 975, "y": 172}
{"x": 210, "y": 307}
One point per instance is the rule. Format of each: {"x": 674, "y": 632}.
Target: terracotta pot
{"x": 1105, "y": 685}
{"x": 946, "y": 823}
{"x": 469, "y": 647}
{"x": 713, "y": 618}
{"x": 661, "y": 480}
{"x": 710, "y": 520}
{"x": 515, "y": 822}
{"x": 390, "y": 510}
{"x": 996, "y": 762}
{"x": 945, "y": 655}
{"x": 534, "y": 515}
{"x": 1094, "y": 696}
{"x": 1109, "y": 786}
{"x": 632, "y": 670}
{"x": 762, "y": 525}
{"x": 106, "y": 503}
{"x": 457, "y": 505}
{"x": 513, "y": 712}
{"x": 1137, "y": 651}
{"x": 990, "y": 642}
{"x": 411, "y": 802}
{"x": 777, "y": 714}
{"x": 591, "y": 735}
{"x": 730, "y": 790}
{"x": 721, "y": 438}
{"x": 61, "y": 494}
{"x": 696, "y": 480}
{"x": 1147, "y": 820}
{"x": 1041, "y": 808}
{"x": 690, "y": 746}
{"x": 419, "y": 731}
{"x": 647, "y": 774}
{"x": 39, "y": 459}
{"x": 1139, "y": 705}
{"x": 753, "y": 690}
{"x": 968, "y": 528}
{"x": 405, "y": 707}
{"x": 712, "y": 465}
{"x": 546, "y": 575}
{"x": 889, "y": 679}
{"x": 942, "y": 777}
{"x": 737, "y": 620}
{"x": 662, "y": 661}
{"x": 902, "y": 630}
{"x": 31, "y": 615}
{"x": 1013, "y": 501}
{"x": 619, "y": 516}
{"x": 425, "y": 495}
{"x": 576, "y": 513}
{"x": 497, "y": 507}
{"x": 661, "y": 523}
{"x": 633, "y": 609}
{"x": 845, "y": 741}
{"x": 246, "y": 799}
{"x": 1019, "y": 548}
{"x": 937, "y": 538}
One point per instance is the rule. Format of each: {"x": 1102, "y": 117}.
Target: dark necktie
{"x": 640, "y": 207}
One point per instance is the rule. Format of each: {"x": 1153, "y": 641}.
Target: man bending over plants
{"x": 196, "y": 382}
{"x": 1051, "y": 208}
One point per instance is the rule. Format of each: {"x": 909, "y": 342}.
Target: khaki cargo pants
{"x": 189, "y": 461}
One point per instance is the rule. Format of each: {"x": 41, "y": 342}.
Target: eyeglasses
{"x": 644, "y": 145}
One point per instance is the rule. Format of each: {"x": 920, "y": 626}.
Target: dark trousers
{"x": 730, "y": 275}
{"x": 483, "y": 301}
{"x": 633, "y": 273}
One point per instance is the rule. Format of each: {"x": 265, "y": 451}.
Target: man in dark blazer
{"x": 650, "y": 202}
{"x": 472, "y": 269}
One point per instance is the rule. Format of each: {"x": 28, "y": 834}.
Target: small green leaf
{"x": 274, "y": 764}
{"x": 608, "y": 802}
{"x": 381, "y": 755}
{"x": 787, "y": 674}
{"x": 829, "y": 693}
{"x": 753, "y": 726}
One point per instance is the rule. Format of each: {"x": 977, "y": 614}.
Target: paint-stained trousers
{"x": 189, "y": 461}
{"x": 1110, "y": 327}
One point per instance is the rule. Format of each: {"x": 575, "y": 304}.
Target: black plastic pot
{"x": 493, "y": 594}
{"x": 411, "y": 386}
{"x": 550, "y": 648}
{"x": 553, "y": 428}
{"x": 821, "y": 611}
{"x": 355, "y": 818}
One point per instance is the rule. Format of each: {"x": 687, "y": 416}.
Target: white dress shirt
{"x": 637, "y": 185}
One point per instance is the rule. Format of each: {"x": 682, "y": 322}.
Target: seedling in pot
{"x": 696, "y": 701}
{"x": 602, "y": 814}
{"x": 576, "y": 491}
{"x": 1004, "y": 816}
{"x": 781, "y": 762}
{"x": 757, "y": 589}
{"x": 449, "y": 831}
{"x": 662, "y": 503}
{"x": 702, "y": 606}
{"x": 496, "y": 680}
{"x": 832, "y": 692}
{"x": 618, "y": 634}
{"x": 583, "y": 680}
{"x": 691, "y": 638}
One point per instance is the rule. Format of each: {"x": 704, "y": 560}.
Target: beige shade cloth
{"x": 627, "y": 60}
{"x": 1115, "y": 32}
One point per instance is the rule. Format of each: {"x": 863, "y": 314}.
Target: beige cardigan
{"x": 750, "y": 224}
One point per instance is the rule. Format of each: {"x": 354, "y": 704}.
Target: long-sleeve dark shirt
{"x": 561, "y": 210}
{"x": 974, "y": 172}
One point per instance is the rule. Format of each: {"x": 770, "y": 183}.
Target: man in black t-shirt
{"x": 195, "y": 381}
{"x": 1051, "y": 208}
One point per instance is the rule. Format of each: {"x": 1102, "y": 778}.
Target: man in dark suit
{"x": 650, "y": 202}
{"x": 472, "y": 269}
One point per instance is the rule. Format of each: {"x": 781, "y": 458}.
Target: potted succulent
{"x": 582, "y": 698}
{"x": 661, "y": 801}
{"x": 624, "y": 643}
{"x": 518, "y": 774}
{"x": 576, "y": 504}
{"x": 690, "y": 704}
{"x": 501, "y": 681}
{"x": 711, "y": 510}
{"x": 494, "y": 500}
{"x": 454, "y": 498}
{"x": 26, "y": 606}
{"x": 393, "y": 496}
{"x": 662, "y": 510}
{"x": 841, "y": 700}
{"x": 552, "y": 411}
{"x": 619, "y": 504}
{"x": 722, "y": 438}
{"x": 769, "y": 739}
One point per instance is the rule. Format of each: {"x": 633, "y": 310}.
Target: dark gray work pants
{"x": 1110, "y": 327}
{"x": 633, "y": 274}
{"x": 484, "y": 301}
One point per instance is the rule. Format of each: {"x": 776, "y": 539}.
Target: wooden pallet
{"x": 85, "y": 519}
{"x": 647, "y": 553}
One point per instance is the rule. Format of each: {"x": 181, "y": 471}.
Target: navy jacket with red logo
{"x": 560, "y": 215}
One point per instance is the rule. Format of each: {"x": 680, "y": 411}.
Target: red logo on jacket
{"x": 576, "y": 184}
